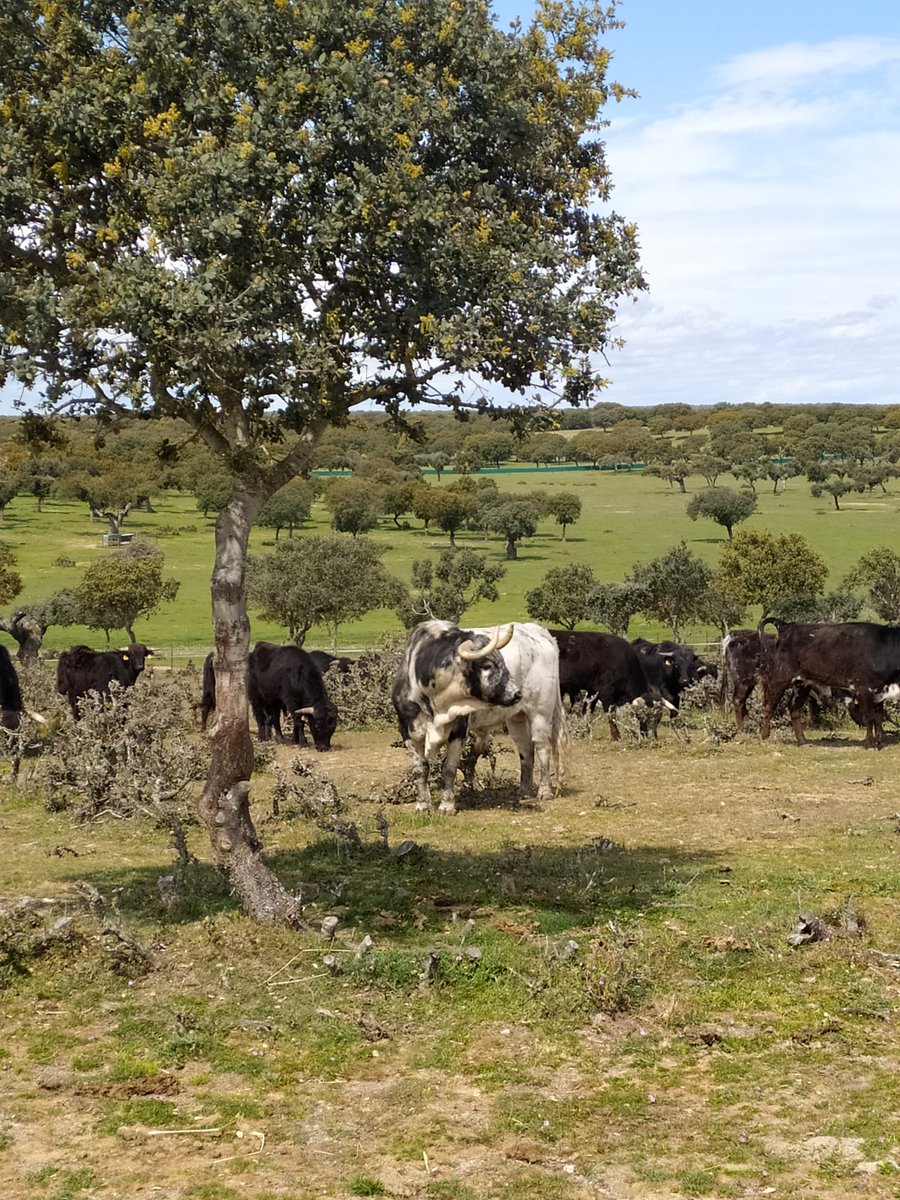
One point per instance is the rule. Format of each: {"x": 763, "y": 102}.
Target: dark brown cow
{"x": 857, "y": 657}
{"x": 742, "y": 661}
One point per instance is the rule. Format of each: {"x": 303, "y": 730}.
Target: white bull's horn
{"x": 671, "y": 707}
{"x": 496, "y": 642}
{"x": 35, "y": 716}
{"x": 305, "y": 712}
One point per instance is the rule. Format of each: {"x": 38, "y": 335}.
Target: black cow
{"x": 672, "y": 668}
{"x": 10, "y": 693}
{"x": 82, "y": 670}
{"x": 326, "y": 662}
{"x": 857, "y": 657}
{"x": 285, "y": 679}
{"x": 608, "y": 669}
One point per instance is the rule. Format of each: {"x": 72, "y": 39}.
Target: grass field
{"x": 596, "y": 999}
{"x": 626, "y": 518}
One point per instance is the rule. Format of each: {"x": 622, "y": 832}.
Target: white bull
{"x": 455, "y": 681}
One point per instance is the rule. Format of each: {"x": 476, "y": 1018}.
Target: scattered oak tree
{"x": 10, "y": 579}
{"x": 878, "y": 572}
{"x": 118, "y": 588}
{"x": 256, "y": 224}
{"x": 763, "y": 568}
{"x": 289, "y": 506}
{"x": 723, "y": 505}
{"x": 514, "y": 519}
{"x": 355, "y": 505}
{"x": 445, "y": 589}
{"x": 676, "y": 585}
{"x": 614, "y": 605}
{"x": 564, "y": 597}
{"x": 565, "y": 507}
{"x": 319, "y": 581}
{"x": 28, "y": 625}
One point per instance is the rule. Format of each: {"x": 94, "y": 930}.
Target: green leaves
{"x": 211, "y": 206}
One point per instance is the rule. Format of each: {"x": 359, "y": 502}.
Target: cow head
{"x": 323, "y": 719}
{"x": 486, "y": 674}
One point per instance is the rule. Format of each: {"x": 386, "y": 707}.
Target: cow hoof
{"x": 448, "y": 809}
{"x": 423, "y": 806}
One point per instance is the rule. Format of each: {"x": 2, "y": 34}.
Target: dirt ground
{"x": 416, "y": 1112}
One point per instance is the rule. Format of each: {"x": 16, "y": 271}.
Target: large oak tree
{"x": 256, "y": 214}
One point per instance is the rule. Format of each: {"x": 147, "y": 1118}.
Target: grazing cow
{"x": 857, "y": 657}
{"x": 454, "y": 681}
{"x": 742, "y": 664}
{"x": 327, "y": 662}
{"x": 285, "y": 679}
{"x": 82, "y": 670}
{"x": 609, "y": 670}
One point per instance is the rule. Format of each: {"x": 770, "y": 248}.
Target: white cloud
{"x": 768, "y": 215}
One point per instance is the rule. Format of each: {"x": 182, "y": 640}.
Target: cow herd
{"x": 453, "y": 682}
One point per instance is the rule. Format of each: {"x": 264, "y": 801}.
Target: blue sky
{"x": 761, "y": 163}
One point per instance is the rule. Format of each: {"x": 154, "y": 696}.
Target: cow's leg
{"x": 796, "y": 704}
{"x": 871, "y": 715}
{"x": 416, "y": 744}
{"x": 452, "y": 755}
{"x": 520, "y": 731}
{"x": 772, "y": 693}
{"x": 878, "y": 721}
{"x": 299, "y": 731}
{"x": 613, "y": 727}
{"x": 741, "y": 696}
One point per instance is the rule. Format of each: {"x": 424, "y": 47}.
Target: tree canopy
{"x": 118, "y": 588}
{"x": 723, "y": 505}
{"x": 564, "y": 596}
{"x": 319, "y": 581}
{"x": 760, "y": 567}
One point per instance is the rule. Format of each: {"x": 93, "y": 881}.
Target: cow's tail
{"x": 767, "y": 620}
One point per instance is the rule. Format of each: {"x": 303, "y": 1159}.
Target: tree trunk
{"x": 27, "y": 633}
{"x": 728, "y": 531}
{"x": 224, "y": 805}
{"x": 837, "y": 503}
{"x": 564, "y": 531}
{"x": 511, "y": 551}
{"x": 681, "y": 487}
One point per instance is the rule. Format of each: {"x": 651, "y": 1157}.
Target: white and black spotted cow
{"x": 455, "y": 681}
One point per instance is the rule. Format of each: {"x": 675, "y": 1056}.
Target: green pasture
{"x": 626, "y": 518}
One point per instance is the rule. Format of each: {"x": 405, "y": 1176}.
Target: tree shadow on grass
{"x": 425, "y": 886}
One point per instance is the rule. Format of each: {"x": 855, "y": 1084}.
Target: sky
{"x": 761, "y": 164}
